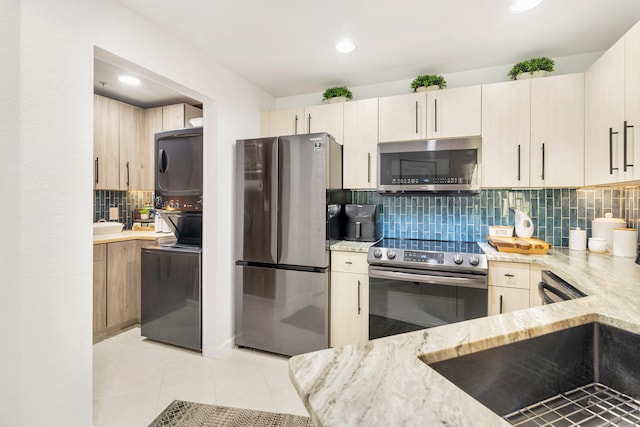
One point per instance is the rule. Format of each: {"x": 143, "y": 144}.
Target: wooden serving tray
{"x": 519, "y": 245}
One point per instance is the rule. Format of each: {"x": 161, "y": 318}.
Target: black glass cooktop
{"x": 430, "y": 245}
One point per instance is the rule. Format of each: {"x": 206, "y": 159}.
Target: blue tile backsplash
{"x": 466, "y": 218}
{"x": 126, "y": 201}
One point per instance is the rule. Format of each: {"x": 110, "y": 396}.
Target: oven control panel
{"x": 426, "y": 257}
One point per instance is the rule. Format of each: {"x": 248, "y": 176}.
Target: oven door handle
{"x": 429, "y": 279}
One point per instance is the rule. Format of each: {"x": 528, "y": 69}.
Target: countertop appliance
{"x": 418, "y": 284}
{"x": 430, "y": 166}
{"x": 363, "y": 222}
{"x": 553, "y": 288}
{"x": 171, "y": 281}
{"x": 284, "y": 187}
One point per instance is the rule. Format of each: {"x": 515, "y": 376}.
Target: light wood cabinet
{"x": 604, "y": 115}
{"x": 177, "y": 116}
{"x": 454, "y": 112}
{"x": 99, "y": 288}
{"x": 135, "y": 169}
{"x": 349, "y": 298}
{"x": 557, "y": 131}
{"x": 359, "y": 154}
{"x": 283, "y": 122}
{"x": 402, "y": 117}
{"x": 506, "y": 114}
{"x": 106, "y": 153}
{"x": 325, "y": 118}
{"x": 508, "y": 289}
{"x": 123, "y": 283}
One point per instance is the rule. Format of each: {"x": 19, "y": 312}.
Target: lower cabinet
{"x": 349, "y": 298}
{"x": 512, "y": 286}
{"x": 116, "y": 285}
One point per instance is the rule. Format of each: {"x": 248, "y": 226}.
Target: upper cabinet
{"x": 106, "y": 153}
{"x": 506, "y": 113}
{"x": 360, "y": 144}
{"x": 135, "y": 168}
{"x": 557, "y": 131}
{"x": 632, "y": 103}
{"x": 295, "y": 121}
{"x": 402, "y": 117}
{"x": 454, "y": 112}
{"x": 326, "y": 118}
{"x": 177, "y": 116}
{"x": 604, "y": 114}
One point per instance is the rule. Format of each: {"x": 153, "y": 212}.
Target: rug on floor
{"x": 190, "y": 414}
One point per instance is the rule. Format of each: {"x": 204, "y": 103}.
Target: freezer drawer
{"x": 171, "y": 297}
{"x": 281, "y": 311}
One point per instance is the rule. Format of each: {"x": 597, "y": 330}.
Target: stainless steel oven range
{"x": 419, "y": 284}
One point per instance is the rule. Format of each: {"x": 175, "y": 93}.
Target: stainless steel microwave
{"x": 430, "y": 166}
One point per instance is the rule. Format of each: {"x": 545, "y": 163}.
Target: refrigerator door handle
{"x": 275, "y": 204}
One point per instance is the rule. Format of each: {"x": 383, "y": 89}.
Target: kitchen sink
{"x": 585, "y": 375}
{"x": 107, "y": 227}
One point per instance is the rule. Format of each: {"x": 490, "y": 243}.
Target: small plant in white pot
{"x": 428, "y": 82}
{"x": 144, "y": 213}
{"x": 531, "y": 68}
{"x": 337, "y": 94}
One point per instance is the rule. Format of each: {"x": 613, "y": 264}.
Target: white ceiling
{"x": 286, "y": 47}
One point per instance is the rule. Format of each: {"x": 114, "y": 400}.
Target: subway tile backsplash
{"x": 126, "y": 202}
{"x": 553, "y": 211}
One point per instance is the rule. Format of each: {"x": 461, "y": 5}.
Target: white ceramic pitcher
{"x": 524, "y": 225}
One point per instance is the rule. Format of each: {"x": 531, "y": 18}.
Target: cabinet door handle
{"x": 626, "y": 126}
{"x": 359, "y": 307}
{"x": 611, "y": 168}
{"x": 295, "y": 126}
{"x": 500, "y": 304}
{"x": 348, "y": 262}
{"x": 128, "y": 176}
{"x": 509, "y": 275}
{"x": 435, "y": 109}
{"x": 96, "y": 169}
{"x": 416, "y": 117}
{"x": 518, "y": 162}
{"x": 309, "y": 124}
{"x": 369, "y": 167}
{"x": 543, "y": 161}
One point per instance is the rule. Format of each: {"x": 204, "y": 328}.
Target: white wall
{"x": 46, "y": 172}
{"x": 564, "y": 65}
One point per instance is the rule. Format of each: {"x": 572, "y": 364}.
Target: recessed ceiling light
{"x": 130, "y": 80}
{"x": 523, "y": 5}
{"x": 345, "y": 46}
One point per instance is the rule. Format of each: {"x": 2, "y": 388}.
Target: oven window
{"x": 429, "y": 167}
{"x": 397, "y": 307}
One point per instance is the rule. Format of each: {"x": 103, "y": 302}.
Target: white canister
{"x": 625, "y": 242}
{"x": 578, "y": 239}
{"x": 603, "y": 228}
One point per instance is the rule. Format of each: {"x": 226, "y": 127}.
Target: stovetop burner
{"x": 429, "y": 254}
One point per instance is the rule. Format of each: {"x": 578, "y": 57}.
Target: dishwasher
{"x": 552, "y": 289}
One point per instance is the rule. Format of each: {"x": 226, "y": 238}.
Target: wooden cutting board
{"x": 519, "y": 245}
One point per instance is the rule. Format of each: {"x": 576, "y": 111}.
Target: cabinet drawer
{"x": 99, "y": 252}
{"x": 509, "y": 274}
{"x": 349, "y": 262}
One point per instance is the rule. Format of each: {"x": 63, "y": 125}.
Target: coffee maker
{"x": 363, "y": 223}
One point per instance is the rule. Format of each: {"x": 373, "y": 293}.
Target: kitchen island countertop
{"x": 388, "y": 382}
{"x": 127, "y": 235}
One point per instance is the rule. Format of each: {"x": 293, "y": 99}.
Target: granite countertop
{"x": 350, "y": 246}
{"x": 387, "y": 381}
{"x": 127, "y": 235}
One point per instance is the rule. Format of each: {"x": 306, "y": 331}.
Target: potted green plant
{"x": 534, "y": 67}
{"x": 337, "y": 94}
{"x": 144, "y": 213}
{"x": 428, "y": 82}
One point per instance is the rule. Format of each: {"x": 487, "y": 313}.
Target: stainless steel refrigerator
{"x": 283, "y": 188}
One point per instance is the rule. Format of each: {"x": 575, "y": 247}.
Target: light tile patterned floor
{"x": 134, "y": 379}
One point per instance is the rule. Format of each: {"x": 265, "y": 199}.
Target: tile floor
{"x": 134, "y": 379}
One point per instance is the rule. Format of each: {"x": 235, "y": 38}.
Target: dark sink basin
{"x": 588, "y": 375}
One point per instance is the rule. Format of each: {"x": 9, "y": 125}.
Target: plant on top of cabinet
{"x": 534, "y": 67}
{"x": 428, "y": 82}
{"x": 337, "y": 94}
